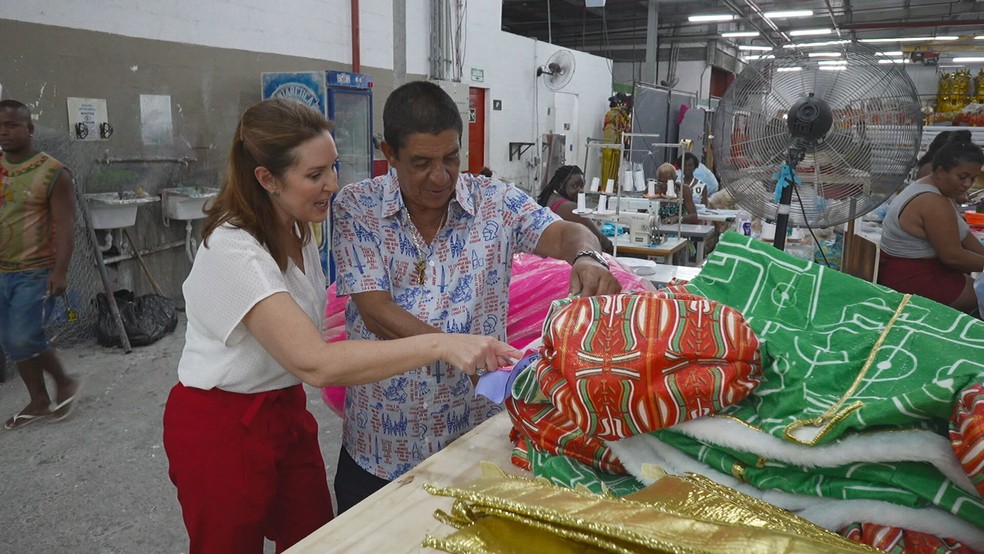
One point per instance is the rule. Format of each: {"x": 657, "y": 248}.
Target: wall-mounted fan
{"x": 839, "y": 130}
{"x": 558, "y": 70}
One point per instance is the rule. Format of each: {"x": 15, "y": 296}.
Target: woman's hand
{"x": 475, "y": 354}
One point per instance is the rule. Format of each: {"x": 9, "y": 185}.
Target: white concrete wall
{"x": 509, "y": 65}
{"x": 321, "y": 29}
{"x": 418, "y": 35}
{"x": 307, "y": 28}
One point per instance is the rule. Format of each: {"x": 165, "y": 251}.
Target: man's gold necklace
{"x": 420, "y": 266}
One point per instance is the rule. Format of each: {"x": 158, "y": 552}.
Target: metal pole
{"x": 104, "y": 275}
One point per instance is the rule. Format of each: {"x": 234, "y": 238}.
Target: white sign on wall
{"x": 88, "y": 119}
{"x": 155, "y": 118}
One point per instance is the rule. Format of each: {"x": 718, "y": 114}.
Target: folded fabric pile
{"x": 504, "y": 513}
{"x": 869, "y": 418}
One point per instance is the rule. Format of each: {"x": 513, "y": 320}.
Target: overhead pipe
{"x": 758, "y": 11}
{"x": 833, "y": 20}
{"x": 754, "y": 25}
{"x": 911, "y": 25}
{"x": 356, "y": 60}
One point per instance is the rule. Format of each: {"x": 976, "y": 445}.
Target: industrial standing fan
{"x": 837, "y": 128}
{"x": 559, "y": 70}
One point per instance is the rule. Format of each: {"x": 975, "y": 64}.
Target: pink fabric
{"x": 683, "y": 112}
{"x": 536, "y": 282}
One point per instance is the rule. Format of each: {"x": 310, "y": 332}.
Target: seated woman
{"x": 696, "y": 175}
{"x": 560, "y": 195}
{"x": 668, "y": 211}
{"x": 925, "y": 164}
{"x": 927, "y": 248}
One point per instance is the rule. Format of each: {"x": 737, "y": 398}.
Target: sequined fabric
{"x": 676, "y": 515}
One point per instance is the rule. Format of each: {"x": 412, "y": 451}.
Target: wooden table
{"x": 862, "y": 250}
{"x": 397, "y": 517}
{"x": 666, "y": 273}
{"x": 717, "y": 215}
{"x": 667, "y": 249}
{"x": 698, "y": 234}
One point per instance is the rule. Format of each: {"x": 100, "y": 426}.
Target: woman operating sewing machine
{"x": 560, "y": 195}
{"x": 669, "y": 212}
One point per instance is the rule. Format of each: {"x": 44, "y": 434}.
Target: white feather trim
{"x": 829, "y": 513}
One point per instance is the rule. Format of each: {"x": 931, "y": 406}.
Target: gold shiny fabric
{"x": 505, "y": 513}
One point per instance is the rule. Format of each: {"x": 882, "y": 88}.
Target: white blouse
{"x": 228, "y": 278}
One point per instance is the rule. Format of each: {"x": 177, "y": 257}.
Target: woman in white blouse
{"x": 242, "y": 447}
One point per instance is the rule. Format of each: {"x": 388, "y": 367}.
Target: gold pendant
{"x": 420, "y": 268}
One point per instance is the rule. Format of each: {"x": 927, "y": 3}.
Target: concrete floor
{"x": 97, "y": 482}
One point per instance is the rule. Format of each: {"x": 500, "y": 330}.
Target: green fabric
{"x": 567, "y": 472}
{"x": 819, "y": 325}
{"x": 910, "y": 484}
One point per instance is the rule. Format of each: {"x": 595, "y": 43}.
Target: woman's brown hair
{"x": 267, "y": 136}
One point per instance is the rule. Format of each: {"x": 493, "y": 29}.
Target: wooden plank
{"x": 860, "y": 254}
{"x": 397, "y": 517}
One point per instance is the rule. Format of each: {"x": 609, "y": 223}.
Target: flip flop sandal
{"x": 68, "y": 405}
{"x": 21, "y": 420}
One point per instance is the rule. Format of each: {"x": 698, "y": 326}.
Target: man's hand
{"x": 589, "y": 278}
{"x": 57, "y": 284}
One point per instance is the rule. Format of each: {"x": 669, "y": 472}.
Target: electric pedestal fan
{"x": 837, "y": 128}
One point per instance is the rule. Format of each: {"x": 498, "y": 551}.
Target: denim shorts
{"x": 22, "y": 298}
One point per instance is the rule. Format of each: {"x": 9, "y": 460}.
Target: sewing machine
{"x": 644, "y": 228}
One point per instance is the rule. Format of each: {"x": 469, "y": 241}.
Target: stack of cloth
{"x": 505, "y": 513}
{"x": 853, "y": 406}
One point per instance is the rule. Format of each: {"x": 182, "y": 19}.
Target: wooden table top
{"x": 397, "y": 517}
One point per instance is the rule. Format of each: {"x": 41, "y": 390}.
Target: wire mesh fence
{"x": 71, "y": 318}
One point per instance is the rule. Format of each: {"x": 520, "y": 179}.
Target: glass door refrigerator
{"x": 346, "y": 99}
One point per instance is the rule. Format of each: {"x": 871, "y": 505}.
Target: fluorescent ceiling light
{"x": 815, "y": 44}
{"x": 979, "y": 37}
{"x": 832, "y": 62}
{"x": 784, "y": 69}
{"x": 788, "y": 13}
{"x": 753, "y": 47}
{"x": 809, "y": 32}
{"x": 968, "y": 60}
{"x": 832, "y": 67}
{"x": 908, "y": 39}
{"x": 706, "y": 18}
{"x": 895, "y": 60}
{"x": 896, "y": 54}
{"x": 740, "y": 34}
{"x": 825, "y": 54}
{"x": 762, "y": 57}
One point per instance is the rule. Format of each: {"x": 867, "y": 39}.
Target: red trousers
{"x": 246, "y": 466}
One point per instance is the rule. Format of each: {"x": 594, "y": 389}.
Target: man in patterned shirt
{"x": 426, "y": 250}
{"x": 37, "y": 206}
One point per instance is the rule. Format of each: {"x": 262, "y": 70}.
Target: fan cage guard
{"x": 863, "y": 158}
{"x": 556, "y": 80}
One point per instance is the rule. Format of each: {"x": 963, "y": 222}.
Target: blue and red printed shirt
{"x": 393, "y": 425}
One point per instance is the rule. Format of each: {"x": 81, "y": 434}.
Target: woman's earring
{"x": 274, "y": 193}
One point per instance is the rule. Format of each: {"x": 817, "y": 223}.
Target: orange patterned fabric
{"x": 625, "y": 364}
{"x": 550, "y": 431}
{"x": 898, "y": 540}
{"x": 967, "y": 433}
